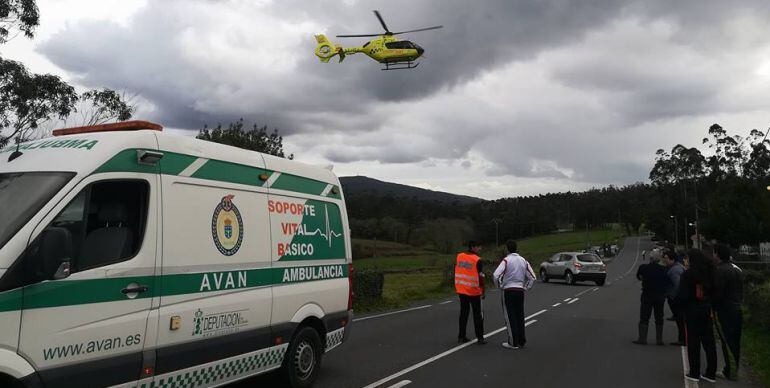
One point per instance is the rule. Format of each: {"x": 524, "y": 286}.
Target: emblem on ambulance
{"x": 227, "y": 226}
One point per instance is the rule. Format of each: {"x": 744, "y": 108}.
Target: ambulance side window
{"x": 105, "y": 223}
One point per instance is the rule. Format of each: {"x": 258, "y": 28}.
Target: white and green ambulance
{"x": 134, "y": 258}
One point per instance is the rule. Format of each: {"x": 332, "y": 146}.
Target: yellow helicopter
{"x": 386, "y": 49}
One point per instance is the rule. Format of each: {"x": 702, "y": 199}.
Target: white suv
{"x": 574, "y": 267}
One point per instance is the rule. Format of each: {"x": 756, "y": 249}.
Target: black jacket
{"x": 654, "y": 280}
{"x": 694, "y": 297}
{"x": 729, "y": 283}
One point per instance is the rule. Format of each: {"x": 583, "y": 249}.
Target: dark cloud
{"x": 533, "y": 89}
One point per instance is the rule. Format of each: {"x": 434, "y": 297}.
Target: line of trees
{"x": 723, "y": 186}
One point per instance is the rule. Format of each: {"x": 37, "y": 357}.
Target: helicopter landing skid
{"x": 400, "y": 65}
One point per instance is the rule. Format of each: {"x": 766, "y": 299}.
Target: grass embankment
{"x": 416, "y": 275}
{"x": 756, "y": 350}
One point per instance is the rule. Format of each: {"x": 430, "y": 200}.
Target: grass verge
{"x": 756, "y": 352}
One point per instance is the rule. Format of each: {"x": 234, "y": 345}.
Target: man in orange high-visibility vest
{"x": 469, "y": 283}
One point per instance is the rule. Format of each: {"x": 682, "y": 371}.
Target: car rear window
{"x": 589, "y": 258}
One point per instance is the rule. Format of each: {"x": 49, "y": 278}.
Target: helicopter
{"x": 394, "y": 53}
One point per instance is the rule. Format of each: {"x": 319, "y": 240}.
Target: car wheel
{"x": 544, "y": 276}
{"x": 600, "y": 282}
{"x": 303, "y": 358}
{"x": 569, "y": 278}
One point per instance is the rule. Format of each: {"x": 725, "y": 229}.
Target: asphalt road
{"x": 577, "y": 335}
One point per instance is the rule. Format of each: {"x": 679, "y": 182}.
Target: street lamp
{"x": 676, "y": 230}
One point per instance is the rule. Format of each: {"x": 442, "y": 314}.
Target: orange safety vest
{"x": 467, "y": 275}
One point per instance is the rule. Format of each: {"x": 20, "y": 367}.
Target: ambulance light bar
{"x": 134, "y": 125}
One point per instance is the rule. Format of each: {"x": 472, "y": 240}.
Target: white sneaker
{"x": 509, "y": 346}
{"x": 709, "y": 379}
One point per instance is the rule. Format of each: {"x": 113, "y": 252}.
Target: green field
{"x": 414, "y": 277}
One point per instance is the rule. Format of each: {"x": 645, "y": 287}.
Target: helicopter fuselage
{"x": 388, "y": 49}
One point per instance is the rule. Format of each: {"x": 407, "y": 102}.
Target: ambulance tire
{"x": 10, "y": 382}
{"x": 303, "y": 358}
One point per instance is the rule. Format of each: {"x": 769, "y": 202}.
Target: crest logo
{"x": 227, "y": 226}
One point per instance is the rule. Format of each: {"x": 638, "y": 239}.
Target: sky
{"x": 511, "y": 98}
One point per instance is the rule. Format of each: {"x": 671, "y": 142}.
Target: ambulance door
{"x": 216, "y": 299}
{"x": 90, "y": 281}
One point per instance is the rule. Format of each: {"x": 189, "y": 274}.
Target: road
{"x": 577, "y": 335}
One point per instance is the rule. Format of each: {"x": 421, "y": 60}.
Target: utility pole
{"x": 588, "y": 237}
{"x": 685, "y": 233}
{"x": 676, "y": 231}
{"x": 697, "y": 219}
{"x": 497, "y": 222}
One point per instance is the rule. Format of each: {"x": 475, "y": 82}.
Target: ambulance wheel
{"x": 303, "y": 358}
{"x": 544, "y": 276}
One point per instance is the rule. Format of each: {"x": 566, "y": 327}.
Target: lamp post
{"x": 676, "y": 231}
{"x": 697, "y": 236}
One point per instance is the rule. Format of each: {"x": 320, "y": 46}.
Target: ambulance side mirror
{"x": 55, "y": 253}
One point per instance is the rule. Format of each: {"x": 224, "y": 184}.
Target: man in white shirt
{"x": 514, "y": 275}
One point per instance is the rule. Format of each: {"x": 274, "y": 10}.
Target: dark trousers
{"x": 729, "y": 322}
{"x": 700, "y": 332}
{"x": 678, "y": 317}
{"x": 650, "y": 303}
{"x": 466, "y": 303}
{"x": 513, "y": 309}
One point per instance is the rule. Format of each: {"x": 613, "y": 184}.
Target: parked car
{"x": 574, "y": 267}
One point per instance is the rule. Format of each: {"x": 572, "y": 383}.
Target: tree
{"x": 27, "y": 100}
{"x": 106, "y": 105}
{"x": 757, "y": 166}
{"x": 18, "y": 15}
{"x": 255, "y": 139}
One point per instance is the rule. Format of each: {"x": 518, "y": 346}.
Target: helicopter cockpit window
{"x": 399, "y": 45}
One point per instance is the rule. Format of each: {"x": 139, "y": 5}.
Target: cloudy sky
{"x": 511, "y": 98}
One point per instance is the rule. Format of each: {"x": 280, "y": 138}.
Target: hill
{"x": 354, "y": 186}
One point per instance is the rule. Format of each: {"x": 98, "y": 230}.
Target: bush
{"x": 367, "y": 284}
{"x": 758, "y": 304}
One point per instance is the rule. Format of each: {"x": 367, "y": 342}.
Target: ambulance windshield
{"x": 22, "y": 194}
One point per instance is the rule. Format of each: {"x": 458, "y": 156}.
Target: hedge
{"x": 367, "y": 284}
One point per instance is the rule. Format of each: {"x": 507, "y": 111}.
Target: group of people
{"x": 513, "y": 276}
{"x": 704, "y": 290}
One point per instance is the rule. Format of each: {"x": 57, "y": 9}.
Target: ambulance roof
{"x": 87, "y": 153}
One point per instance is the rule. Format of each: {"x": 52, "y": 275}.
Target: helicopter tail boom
{"x": 326, "y": 50}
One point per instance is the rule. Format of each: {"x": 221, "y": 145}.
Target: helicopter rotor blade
{"x": 358, "y": 36}
{"x": 377, "y": 13}
{"x": 417, "y": 30}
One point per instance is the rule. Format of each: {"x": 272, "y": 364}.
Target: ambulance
{"x": 134, "y": 258}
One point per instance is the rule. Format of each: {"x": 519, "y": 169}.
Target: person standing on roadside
{"x": 514, "y": 275}
{"x": 674, "y": 273}
{"x": 696, "y": 290}
{"x": 654, "y": 281}
{"x": 728, "y": 301}
{"x": 469, "y": 284}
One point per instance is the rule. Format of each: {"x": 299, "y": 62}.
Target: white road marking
{"x": 567, "y": 300}
{"x": 400, "y": 384}
{"x": 638, "y": 244}
{"x": 392, "y": 312}
{"x": 581, "y": 293}
{"x": 536, "y": 314}
{"x": 595, "y": 289}
{"x": 444, "y": 354}
{"x": 686, "y": 369}
{"x": 445, "y": 302}
{"x": 573, "y": 301}
{"x": 557, "y": 305}
{"x": 193, "y": 167}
